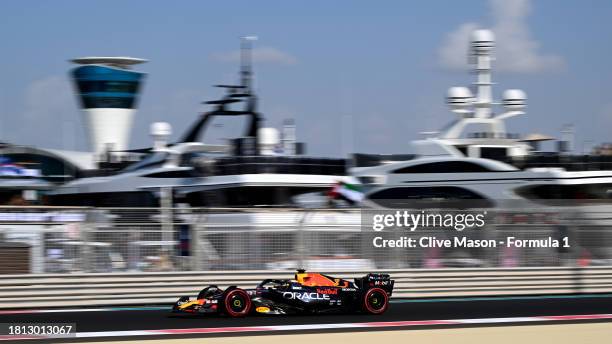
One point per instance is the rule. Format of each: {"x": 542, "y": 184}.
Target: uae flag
{"x": 347, "y": 192}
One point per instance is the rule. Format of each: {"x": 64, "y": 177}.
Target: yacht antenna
{"x": 481, "y": 51}
{"x": 235, "y": 94}
{"x": 246, "y": 56}
{"x": 477, "y": 109}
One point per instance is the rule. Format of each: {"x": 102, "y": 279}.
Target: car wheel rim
{"x": 237, "y": 303}
{"x": 376, "y": 300}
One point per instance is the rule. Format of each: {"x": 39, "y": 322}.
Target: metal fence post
{"x": 167, "y": 220}
{"x": 38, "y": 253}
{"x": 197, "y": 229}
{"x": 301, "y": 242}
{"x": 86, "y": 249}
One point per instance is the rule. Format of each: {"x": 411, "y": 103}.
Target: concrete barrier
{"x": 112, "y": 289}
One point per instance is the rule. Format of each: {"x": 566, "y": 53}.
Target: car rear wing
{"x": 371, "y": 280}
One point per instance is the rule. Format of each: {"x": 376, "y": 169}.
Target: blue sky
{"x": 355, "y": 75}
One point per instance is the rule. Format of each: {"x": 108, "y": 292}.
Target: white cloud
{"x": 516, "y": 49}
{"x": 260, "y": 54}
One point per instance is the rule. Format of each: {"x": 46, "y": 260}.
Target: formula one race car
{"x": 309, "y": 293}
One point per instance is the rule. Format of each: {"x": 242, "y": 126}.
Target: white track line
{"x": 372, "y": 325}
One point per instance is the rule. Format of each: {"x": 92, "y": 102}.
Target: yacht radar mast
{"x": 246, "y": 57}
{"x": 235, "y": 94}
{"x": 481, "y": 51}
{"x": 478, "y": 108}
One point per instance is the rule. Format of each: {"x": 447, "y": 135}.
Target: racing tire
{"x": 375, "y": 301}
{"x": 237, "y": 303}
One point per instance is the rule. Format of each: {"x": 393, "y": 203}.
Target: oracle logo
{"x": 305, "y": 296}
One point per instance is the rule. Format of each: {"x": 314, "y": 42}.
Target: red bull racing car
{"x": 309, "y": 293}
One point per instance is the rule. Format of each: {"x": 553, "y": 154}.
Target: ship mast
{"x": 482, "y": 46}
{"x": 478, "y": 109}
{"x": 246, "y": 57}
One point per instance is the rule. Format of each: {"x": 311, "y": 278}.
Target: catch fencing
{"x": 113, "y": 240}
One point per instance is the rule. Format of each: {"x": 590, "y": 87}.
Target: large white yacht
{"x": 491, "y": 165}
{"x": 264, "y": 167}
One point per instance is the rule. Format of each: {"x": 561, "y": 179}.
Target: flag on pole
{"x": 348, "y": 192}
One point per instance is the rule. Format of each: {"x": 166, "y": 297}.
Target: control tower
{"x": 108, "y": 92}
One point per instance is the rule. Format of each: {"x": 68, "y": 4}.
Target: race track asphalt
{"x": 470, "y": 308}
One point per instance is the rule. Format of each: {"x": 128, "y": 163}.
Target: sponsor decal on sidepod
{"x": 305, "y": 296}
{"x": 328, "y": 291}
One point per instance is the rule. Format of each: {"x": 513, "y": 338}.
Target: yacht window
{"x": 49, "y": 166}
{"x": 407, "y": 197}
{"x": 443, "y": 167}
{"x": 463, "y": 150}
{"x": 246, "y": 196}
{"x": 279, "y": 164}
{"x": 444, "y": 192}
{"x": 171, "y": 174}
{"x": 367, "y": 160}
{"x": 580, "y": 192}
{"x": 107, "y": 199}
{"x": 494, "y": 153}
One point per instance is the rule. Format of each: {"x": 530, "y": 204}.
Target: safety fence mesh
{"x": 71, "y": 240}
